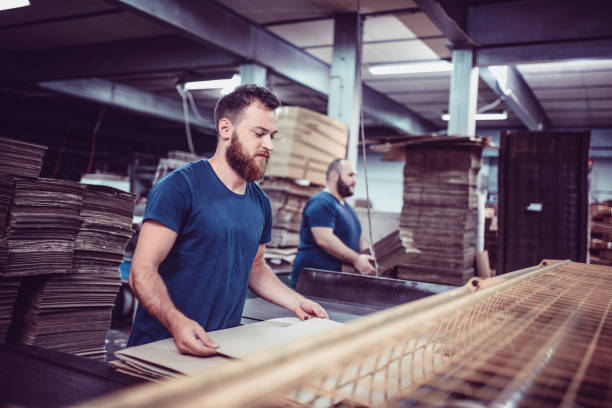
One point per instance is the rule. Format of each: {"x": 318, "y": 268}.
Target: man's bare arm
{"x": 330, "y": 243}
{"x": 154, "y": 243}
{"x": 266, "y": 284}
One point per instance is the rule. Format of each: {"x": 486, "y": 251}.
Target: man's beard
{"x": 343, "y": 189}
{"x": 246, "y": 166}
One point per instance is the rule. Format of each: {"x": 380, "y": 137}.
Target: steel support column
{"x": 463, "y": 94}
{"x": 344, "y": 101}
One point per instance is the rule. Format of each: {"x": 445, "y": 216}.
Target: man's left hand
{"x": 307, "y": 309}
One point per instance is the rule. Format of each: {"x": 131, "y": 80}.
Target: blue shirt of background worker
{"x": 330, "y": 234}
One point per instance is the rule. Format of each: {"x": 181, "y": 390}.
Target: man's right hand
{"x": 190, "y": 338}
{"x": 363, "y": 264}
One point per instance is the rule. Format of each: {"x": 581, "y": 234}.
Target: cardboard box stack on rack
{"x": 307, "y": 142}
{"x": 601, "y": 233}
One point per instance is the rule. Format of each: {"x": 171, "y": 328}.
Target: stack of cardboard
{"x": 601, "y": 233}
{"x": 395, "y": 249}
{"x": 72, "y": 313}
{"x": 307, "y": 142}
{"x": 18, "y": 159}
{"x": 490, "y": 236}
{"x": 106, "y": 228}
{"x": 43, "y": 223}
{"x": 543, "y": 197}
{"x": 7, "y": 189}
{"x": 440, "y": 205}
{"x": 288, "y": 199}
{"x": 21, "y": 159}
{"x": 8, "y": 293}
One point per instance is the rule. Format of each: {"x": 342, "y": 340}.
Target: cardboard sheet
{"x": 162, "y": 357}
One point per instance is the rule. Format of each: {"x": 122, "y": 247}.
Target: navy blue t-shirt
{"x": 324, "y": 210}
{"x": 219, "y": 232}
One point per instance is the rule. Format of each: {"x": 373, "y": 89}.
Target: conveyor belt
{"x": 345, "y": 296}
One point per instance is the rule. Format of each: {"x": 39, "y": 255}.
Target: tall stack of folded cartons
{"x": 72, "y": 312}
{"x": 18, "y": 161}
{"x": 306, "y": 143}
{"x": 601, "y": 233}
{"x": 440, "y": 207}
{"x": 61, "y": 246}
{"x": 543, "y": 209}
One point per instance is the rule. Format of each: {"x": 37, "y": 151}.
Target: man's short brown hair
{"x": 232, "y": 105}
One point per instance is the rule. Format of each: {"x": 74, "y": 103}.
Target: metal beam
{"x": 127, "y": 98}
{"x": 508, "y": 83}
{"x": 539, "y": 21}
{"x": 525, "y": 53}
{"x": 344, "y": 101}
{"x": 136, "y": 56}
{"x": 253, "y": 74}
{"x": 486, "y": 22}
{"x": 210, "y": 23}
{"x": 449, "y": 17}
{"x": 394, "y": 114}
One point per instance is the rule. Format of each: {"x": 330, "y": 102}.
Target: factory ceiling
{"x": 129, "y": 55}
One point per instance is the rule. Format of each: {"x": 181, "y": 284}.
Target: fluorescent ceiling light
{"x": 569, "y": 65}
{"x": 11, "y": 4}
{"x": 412, "y": 68}
{"x": 483, "y": 116}
{"x": 226, "y": 85}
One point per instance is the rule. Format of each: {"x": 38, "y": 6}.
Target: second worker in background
{"x": 330, "y": 234}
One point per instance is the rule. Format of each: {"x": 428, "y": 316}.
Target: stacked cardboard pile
{"x": 43, "y": 223}
{"x": 107, "y": 226}
{"x": 601, "y": 233}
{"x": 543, "y": 197}
{"x": 18, "y": 159}
{"x": 397, "y": 248}
{"x": 288, "y": 199}
{"x": 72, "y": 313}
{"x": 8, "y": 293}
{"x": 21, "y": 159}
{"x": 307, "y": 142}
{"x": 490, "y": 236}
{"x": 440, "y": 208}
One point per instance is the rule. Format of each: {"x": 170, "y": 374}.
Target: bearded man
{"x": 330, "y": 234}
{"x": 204, "y": 234}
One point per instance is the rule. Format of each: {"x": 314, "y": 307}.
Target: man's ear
{"x": 225, "y": 129}
{"x": 333, "y": 175}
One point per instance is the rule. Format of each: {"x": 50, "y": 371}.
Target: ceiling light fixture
{"x": 411, "y": 68}
{"x": 226, "y": 85}
{"x": 11, "y": 4}
{"x": 483, "y": 116}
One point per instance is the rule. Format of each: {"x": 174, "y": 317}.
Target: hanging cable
{"x": 60, "y": 153}
{"x": 93, "y": 140}
{"x": 181, "y": 92}
{"x": 491, "y": 105}
{"x": 362, "y": 131}
{"x": 194, "y": 108}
